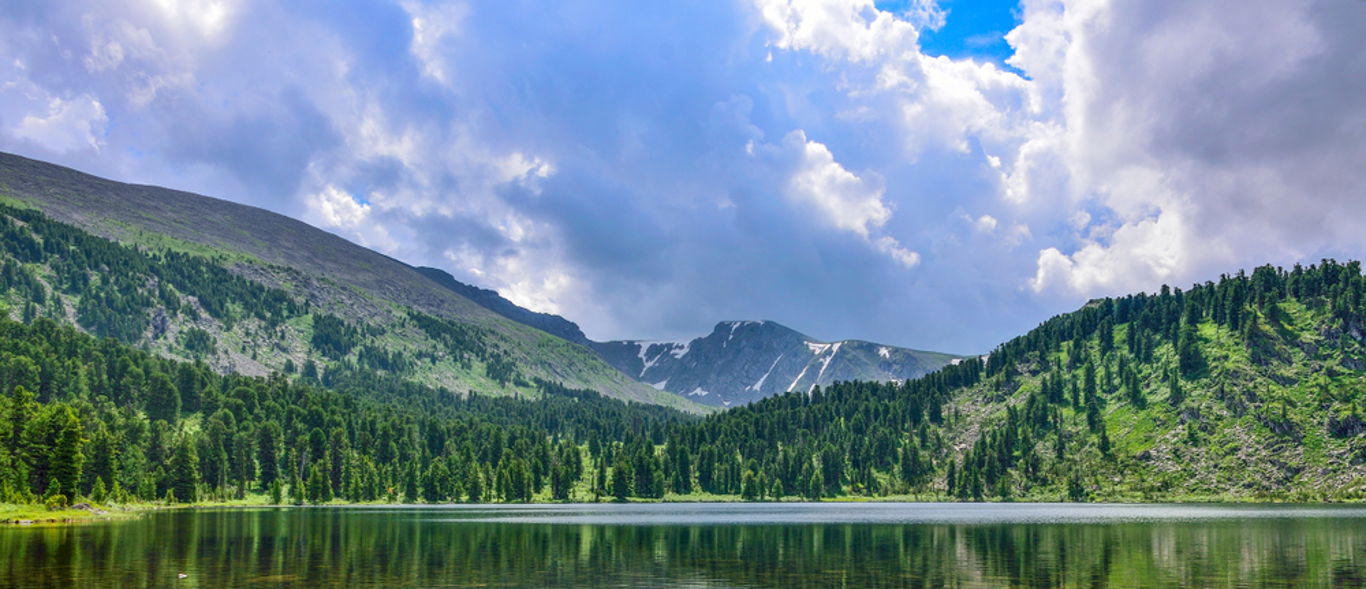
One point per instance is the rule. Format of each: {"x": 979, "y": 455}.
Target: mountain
{"x": 249, "y": 291}
{"x": 737, "y": 363}
{"x": 742, "y": 361}
{"x": 1251, "y": 388}
{"x": 491, "y": 300}
{"x": 100, "y": 421}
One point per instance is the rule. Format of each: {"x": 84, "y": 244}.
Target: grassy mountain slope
{"x": 1252, "y": 388}
{"x": 385, "y": 314}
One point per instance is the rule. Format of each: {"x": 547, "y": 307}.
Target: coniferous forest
{"x": 1250, "y": 387}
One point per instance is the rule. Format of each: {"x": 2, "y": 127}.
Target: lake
{"x": 853, "y": 545}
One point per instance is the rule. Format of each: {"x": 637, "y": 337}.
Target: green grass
{"x": 11, "y": 513}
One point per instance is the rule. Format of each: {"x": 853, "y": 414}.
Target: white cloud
{"x": 894, "y": 250}
{"x": 843, "y": 199}
{"x": 431, "y": 24}
{"x": 1211, "y": 139}
{"x": 840, "y": 198}
{"x": 69, "y": 125}
{"x": 622, "y": 166}
{"x": 841, "y": 29}
{"x": 206, "y": 19}
{"x": 337, "y": 208}
{"x": 925, "y": 14}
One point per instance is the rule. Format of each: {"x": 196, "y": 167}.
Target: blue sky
{"x": 969, "y": 29}
{"x": 936, "y": 175}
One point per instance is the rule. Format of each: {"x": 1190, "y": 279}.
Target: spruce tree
{"x": 98, "y": 493}
{"x": 163, "y": 400}
{"x": 184, "y": 471}
{"x": 621, "y": 477}
{"x": 66, "y": 458}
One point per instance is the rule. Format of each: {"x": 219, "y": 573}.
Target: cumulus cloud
{"x": 1212, "y": 138}
{"x": 845, "y": 200}
{"x": 68, "y": 125}
{"x": 649, "y": 171}
{"x": 840, "y": 198}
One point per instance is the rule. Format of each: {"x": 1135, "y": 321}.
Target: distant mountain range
{"x": 743, "y": 361}
{"x": 737, "y": 363}
{"x": 357, "y": 309}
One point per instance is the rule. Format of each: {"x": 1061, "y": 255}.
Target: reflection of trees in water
{"x": 340, "y": 548}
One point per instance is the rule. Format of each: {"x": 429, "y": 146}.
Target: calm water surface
{"x": 703, "y": 545}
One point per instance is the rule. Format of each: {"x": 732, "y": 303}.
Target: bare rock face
{"x": 743, "y": 361}
{"x": 160, "y": 323}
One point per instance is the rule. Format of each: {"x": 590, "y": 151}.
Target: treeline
{"x": 1268, "y": 360}
{"x": 1251, "y": 386}
{"x": 134, "y": 294}
{"x": 95, "y": 418}
{"x": 117, "y": 286}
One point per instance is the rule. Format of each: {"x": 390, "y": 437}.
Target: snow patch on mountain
{"x": 681, "y": 349}
{"x": 799, "y": 377}
{"x": 835, "y": 350}
{"x": 817, "y": 348}
{"x": 759, "y": 385}
{"x": 722, "y": 367}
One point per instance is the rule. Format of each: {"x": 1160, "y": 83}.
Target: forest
{"x": 1247, "y": 388}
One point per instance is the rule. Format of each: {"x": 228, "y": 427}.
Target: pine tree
{"x": 319, "y": 488}
{"x": 267, "y": 456}
{"x": 621, "y": 477}
{"x": 750, "y": 485}
{"x": 474, "y": 486}
{"x": 98, "y": 493}
{"x": 914, "y": 469}
{"x": 66, "y": 457}
{"x": 410, "y": 484}
{"x": 296, "y": 487}
{"x": 184, "y": 471}
{"x": 1188, "y": 354}
{"x": 163, "y": 400}
{"x": 1175, "y": 394}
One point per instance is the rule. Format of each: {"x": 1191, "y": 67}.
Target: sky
{"x": 933, "y": 175}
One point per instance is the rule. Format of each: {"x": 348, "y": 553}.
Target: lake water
{"x": 854, "y": 545}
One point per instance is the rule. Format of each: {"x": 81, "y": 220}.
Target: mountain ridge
{"x": 770, "y": 354}
{"x": 469, "y": 348}
{"x": 741, "y": 361}
{"x": 362, "y": 287}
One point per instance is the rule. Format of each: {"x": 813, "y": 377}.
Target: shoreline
{"x": 38, "y": 515}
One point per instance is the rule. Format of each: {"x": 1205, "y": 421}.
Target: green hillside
{"x": 99, "y": 420}
{"x": 1251, "y": 388}
{"x": 249, "y": 291}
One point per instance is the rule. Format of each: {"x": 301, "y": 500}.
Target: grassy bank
{"x": 38, "y": 514}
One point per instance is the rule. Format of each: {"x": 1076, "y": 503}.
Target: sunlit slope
{"x": 380, "y": 304}
{"x": 1251, "y": 388}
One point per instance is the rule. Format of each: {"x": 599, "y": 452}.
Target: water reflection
{"x": 460, "y": 548}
